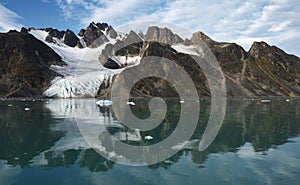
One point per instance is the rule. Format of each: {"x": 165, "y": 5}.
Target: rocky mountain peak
{"x": 274, "y": 57}
{"x": 96, "y": 34}
{"x": 202, "y": 36}
{"x": 164, "y": 35}
{"x": 132, "y": 37}
{"x": 24, "y": 30}
{"x": 111, "y": 32}
{"x": 70, "y": 38}
{"x": 259, "y": 49}
{"x": 53, "y": 33}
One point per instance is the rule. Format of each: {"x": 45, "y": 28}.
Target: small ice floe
{"x": 130, "y": 103}
{"x": 26, "y": 108}
{"x": 181, "y": 101}
{"x": 265, "y": 101}
{"x": 287, "y": 100}
{"x": 103, "y": 103}
{"x": 10, "y": 105}
{"x": 148, "y": 137}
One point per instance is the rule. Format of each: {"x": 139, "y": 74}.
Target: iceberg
{"x": 148, "y": 137}
{"x": 130, "y": 103}
{"x": 265, "y": 101}
{"x": 104, "y": 103}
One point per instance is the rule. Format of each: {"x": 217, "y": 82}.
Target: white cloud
{"x": 114, "y": 12}
{"x": 274, "y": 21}
{"x": 8, "y": 20}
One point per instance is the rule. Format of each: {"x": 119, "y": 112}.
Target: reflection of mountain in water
{"x": 48, "y": 135}
{"x": 23, "y": 134}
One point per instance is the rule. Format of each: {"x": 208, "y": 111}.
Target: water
{"x": 258, "y": 143}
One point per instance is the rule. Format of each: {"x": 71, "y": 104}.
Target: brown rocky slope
{"x": 25, "y": 65}
{"x": 262, "y": 71}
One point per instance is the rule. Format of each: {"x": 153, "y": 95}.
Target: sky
{"x": 241, "y": 21}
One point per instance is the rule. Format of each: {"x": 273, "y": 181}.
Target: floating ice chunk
{"x": 265, "y": 101}
{"x": 148, "y": 137}
{"x": 130, "y": 103}
{"x": 27, "y": 108}
{"x": 103, "y": 103}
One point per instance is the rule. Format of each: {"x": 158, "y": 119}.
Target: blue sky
{"x": 274, "y": 21}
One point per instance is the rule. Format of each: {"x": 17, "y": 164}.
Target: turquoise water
{"x": 258, "y": 143}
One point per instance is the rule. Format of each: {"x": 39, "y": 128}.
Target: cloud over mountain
{"x": 8, "y": 19}
{"x": 243, "y": 22}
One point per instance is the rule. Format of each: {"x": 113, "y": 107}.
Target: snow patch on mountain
{"x": 126, "y": 60}
{"x": 39, "y": 34}
{"x": 190, "y": 50}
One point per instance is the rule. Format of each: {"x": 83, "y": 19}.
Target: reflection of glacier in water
{"x": 88, "y": 126}
{"x": 92, "y": 121}
{"x": 258, "y": 144}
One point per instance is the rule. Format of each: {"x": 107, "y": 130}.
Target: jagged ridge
{"x": 262, "y": 71}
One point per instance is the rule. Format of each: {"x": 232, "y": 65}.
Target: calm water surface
{"x": 259, "y": 143}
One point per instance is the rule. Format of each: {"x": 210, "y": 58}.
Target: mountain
{"x": 262, "y": 71}
{"x": 87, "y": 63}
{"x": 25, "y": 65}
{"x": 163, "y": 35}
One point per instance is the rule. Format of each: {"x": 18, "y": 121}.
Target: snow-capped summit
{"x": 93, "y": 36}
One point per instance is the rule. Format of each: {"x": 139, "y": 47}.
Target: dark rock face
{"x": 54, "y": 33}
{"x": 200, "y": 35}
{"x": 111, "y": 32}
{"x": 111, "y": 64}
{"x": 24, "y": 30}
{"x": 106, "y": 53}
{"x": 163, "y": 35}
{"x": 94, "y": 36}
{"x": 130, "y": 47}
{"x": 262, "y": 71}
{"x": 152, "y": 86}
{"x": 70, "y": 38}
{"x": 81, "y": 32}
{"x": 25, "y": 65}
{"x": 102, "y": 26}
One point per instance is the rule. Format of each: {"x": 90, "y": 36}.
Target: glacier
{"x": 84, "y": 72}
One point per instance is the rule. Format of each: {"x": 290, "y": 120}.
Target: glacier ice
{"x": 84, "y": 72}
{"x": 103, "y": 103}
